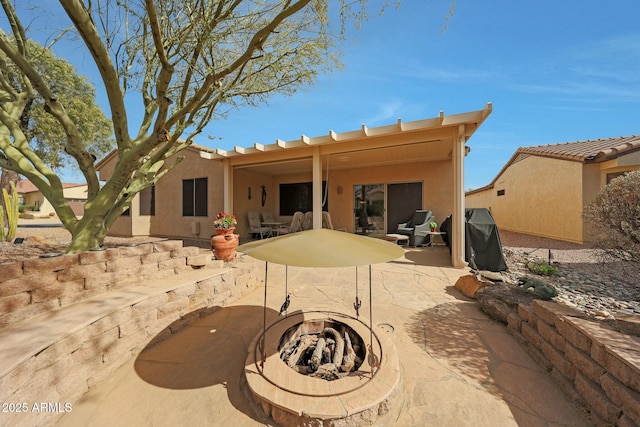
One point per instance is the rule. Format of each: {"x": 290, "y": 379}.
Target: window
{"x": 611, "y": 176}
{"x": 299, "y": 197}
{"x": 500, "y": 192}
{"x": 194, "y": 197}
{"x": 148, "y": 201}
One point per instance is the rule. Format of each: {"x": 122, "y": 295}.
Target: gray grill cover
{"x": 483, "y": 246}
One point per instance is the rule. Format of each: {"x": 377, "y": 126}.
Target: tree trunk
{"x": 88, "y": 233}
{"x": 6, "y": 177}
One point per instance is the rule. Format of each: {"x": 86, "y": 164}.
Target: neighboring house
{"x": 75, "y": 194}
{"x": 413, "y": 165}
{"x": 542, "y": 190}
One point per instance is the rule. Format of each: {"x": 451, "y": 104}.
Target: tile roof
{"x": 589, "y": 151}
{"x": 24, "y": 186}
{"x": 594, "y": 150}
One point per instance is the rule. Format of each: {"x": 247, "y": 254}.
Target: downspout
{"x": 457, "y": 218}
{"x": 317, "y": 189}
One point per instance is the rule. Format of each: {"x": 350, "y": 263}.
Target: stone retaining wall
{"x": 596, "y": 365}
{"x": 38, "y": 285}
{"x": 45, "y": 383}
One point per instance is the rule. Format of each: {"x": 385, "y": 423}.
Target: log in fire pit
{"x": 326, "y": 349}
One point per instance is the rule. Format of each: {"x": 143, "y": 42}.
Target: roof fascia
{"x": 433, "y": 129}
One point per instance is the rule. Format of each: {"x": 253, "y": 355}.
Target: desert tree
{"x": 614, "y": 218}
{"x": 188, "y": 61}
{"x": 45, "y": 135}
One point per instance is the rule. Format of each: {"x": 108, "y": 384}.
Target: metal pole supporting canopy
{"x": 322, "y": 248}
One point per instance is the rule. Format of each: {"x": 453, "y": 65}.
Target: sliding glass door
{"x": 369, "y": 200}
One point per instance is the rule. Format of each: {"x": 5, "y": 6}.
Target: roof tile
{"x": 591, "y": 150}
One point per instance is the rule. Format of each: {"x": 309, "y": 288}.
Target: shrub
{"x": 23, "y": 208}
{"x": 614, "y": 217}
{"x": 541, "y": 268}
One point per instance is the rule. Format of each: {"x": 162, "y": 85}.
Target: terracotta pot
{"x": 224, "y": 244}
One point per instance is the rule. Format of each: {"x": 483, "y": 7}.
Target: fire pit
{"x": 353, "y": 378}
{"x": 326, "y": 349}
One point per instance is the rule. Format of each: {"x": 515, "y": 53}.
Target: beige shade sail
{"x": 322, "y": 248}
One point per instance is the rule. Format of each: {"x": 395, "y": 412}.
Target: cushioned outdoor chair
{"x": 255, "y": 227}
{"x": 295, "y": 226}
{"x": 417, "y": 228}
{"x": 307, "y": 223}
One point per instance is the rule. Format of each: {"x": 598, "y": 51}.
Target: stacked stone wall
{"x": 34, "y": 286}
{"x": 151, "y": 291}
{"x": 595, "y": 364}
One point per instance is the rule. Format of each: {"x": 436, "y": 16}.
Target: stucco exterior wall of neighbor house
{"x": 546, "y": 195}
{"x": 593, "y": 179}
{"x": 76, "y": 195}
{"x": 537, "y": 191}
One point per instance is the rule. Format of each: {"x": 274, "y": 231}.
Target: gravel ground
{"x": 599, "y": 289}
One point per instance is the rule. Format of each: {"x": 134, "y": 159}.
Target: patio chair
{"x": 255, "y": 227}
{"x": 267, "y": 217}
{"x": 417, "y": 228}
{"x": 295, "y": 226}
{"x": 307, "y": 223}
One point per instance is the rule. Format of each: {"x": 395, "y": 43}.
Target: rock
{"x": 540, "y": 288}
{"x": 38, "y": 240}
{"x": 499, "y": 276}
{"x": 509, "y": 294}
{"x": 469, "y": 285}
{"x": 628, "y": 323}
{"x": 495, "y": 308}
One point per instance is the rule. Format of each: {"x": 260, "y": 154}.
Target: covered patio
{"x": 387, "y": 172}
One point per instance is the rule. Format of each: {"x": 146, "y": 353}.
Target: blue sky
{"x": 555, "y": 71}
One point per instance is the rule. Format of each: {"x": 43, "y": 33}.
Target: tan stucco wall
{"x": 79, "y": 192}
{"x": 543, "y": 197}
{"x": 553, "y": 191}
{"x": 437, "y": 178}
{"x": 168, "y": 220}
{"x": 631, "y": 160}
{"x": 242, "y": 180}
{"x": 37, "y": 199}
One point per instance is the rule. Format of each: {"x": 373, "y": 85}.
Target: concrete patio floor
{"x": 459, "y": 367}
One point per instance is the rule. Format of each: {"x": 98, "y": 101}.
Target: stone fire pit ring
{"x": 294, "y": 399}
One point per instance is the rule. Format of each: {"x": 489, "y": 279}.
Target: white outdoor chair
{"x": 255, "y": 227}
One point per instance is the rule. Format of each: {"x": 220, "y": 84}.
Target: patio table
{"x": 274, "y": 226}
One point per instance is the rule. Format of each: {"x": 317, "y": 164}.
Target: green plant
{"x": 541, "y": 268}
{"x": 23, "y": 208}
{"x": 433, "y": 225}
{"x": 225, "y": 221}
{"x": 11, "y": 206}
